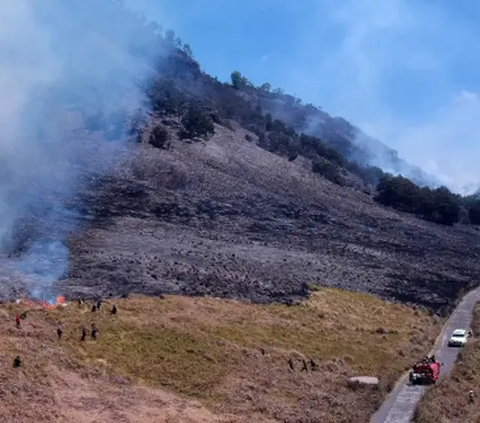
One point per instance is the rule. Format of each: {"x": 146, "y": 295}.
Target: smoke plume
{"x": 70, "y": 73}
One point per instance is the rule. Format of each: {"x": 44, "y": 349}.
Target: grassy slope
{"x": 157, "y": 356}
{"x": 449, "y": 401}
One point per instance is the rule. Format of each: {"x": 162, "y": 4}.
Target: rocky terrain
{"x": 224, "y": 217}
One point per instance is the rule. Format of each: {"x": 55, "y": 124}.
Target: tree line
{"x": 437, "y": 205}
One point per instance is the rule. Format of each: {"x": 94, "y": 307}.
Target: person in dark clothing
{"x": 99, "y": 304}
{"x": 94, "y": 308}
{"x": 59, "y": 330}
{"x": 94, "y": 331}
{"x": 290, "y": 364}
{"x": 17, "y": 362}
{"x": 114, "y": 309}
{"x": 84, "y": 333}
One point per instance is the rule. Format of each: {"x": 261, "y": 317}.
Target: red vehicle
{"x": 426, "y": 371}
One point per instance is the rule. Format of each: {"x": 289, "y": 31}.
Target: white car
{"x": 459, "y": 338}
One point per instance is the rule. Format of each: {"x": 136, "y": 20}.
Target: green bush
{"x": 328, "y": 170}
{"x": 197, "y": 123}
{"x": 436, "y": 205}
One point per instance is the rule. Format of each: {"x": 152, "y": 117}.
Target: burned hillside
{"x": 227, "y": 189}
{"x": 224, "y": 217}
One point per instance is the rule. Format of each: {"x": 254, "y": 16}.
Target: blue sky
{"x": 405, "y": 71}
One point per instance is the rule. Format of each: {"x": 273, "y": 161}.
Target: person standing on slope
{"x": 84, "y": 333}
{"x": 59, "y": 330}
{"x": 94, "y": 331}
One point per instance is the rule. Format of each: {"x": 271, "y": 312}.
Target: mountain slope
{"x": 225, "y": 217}
{"x": 188, "y": 185}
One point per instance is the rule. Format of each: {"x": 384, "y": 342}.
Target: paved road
{"x": 400, "y": 406}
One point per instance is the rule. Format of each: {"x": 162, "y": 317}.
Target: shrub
{"x": 239, "y": 81}
{"x": 197, "y": 123}
{"x": 292, "y": 155}
{"x": 166, "y": 98}
{"x": 438, "y": 205}
{"x": 473, "y": 206}
{"x": 159, "y": 137}
{"x": 279, "y": 142}
{"x": 328, "y": 170}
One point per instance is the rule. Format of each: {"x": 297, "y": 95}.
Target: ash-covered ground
{"x": 226, "y": 218}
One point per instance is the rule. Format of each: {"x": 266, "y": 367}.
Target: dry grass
{"x": 449, "y": 401}
{"x": 159, "y": 356}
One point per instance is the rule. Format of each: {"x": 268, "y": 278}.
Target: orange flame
{"x": 32, "y": 303}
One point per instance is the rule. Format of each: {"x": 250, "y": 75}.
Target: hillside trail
{"x": 401, "y": 404}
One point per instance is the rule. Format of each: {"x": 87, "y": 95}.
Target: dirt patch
{"x": 82, "y": 400}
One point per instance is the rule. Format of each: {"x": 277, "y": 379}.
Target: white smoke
{"x": 61, "y": 63}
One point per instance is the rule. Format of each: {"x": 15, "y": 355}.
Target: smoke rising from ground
{"x": 396, "y": 72}
{"x": 69, "y": 69}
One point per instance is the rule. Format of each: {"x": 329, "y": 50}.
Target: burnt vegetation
{"x": 244, "y": 192}
{"x": 282, "y": 124}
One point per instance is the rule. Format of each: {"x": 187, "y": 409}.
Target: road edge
{"x": 436, "y": 345}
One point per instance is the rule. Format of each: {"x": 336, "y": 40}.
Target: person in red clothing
{"x": 17, "y": 320}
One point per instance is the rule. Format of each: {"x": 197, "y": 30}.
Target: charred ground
{"x": 224, "y": 217}
{"x": 227, "y": 189}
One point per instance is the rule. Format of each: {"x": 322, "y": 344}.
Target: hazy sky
{"x": 405, "y": 71}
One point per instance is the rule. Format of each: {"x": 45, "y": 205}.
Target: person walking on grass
{"x": 94, "y": 331}
{"x": 17, "y": 321}
{"x": 59, "y": 330}
{"x": 17, "y": 362}
{"x": 84, "y": 334}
